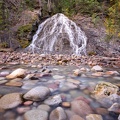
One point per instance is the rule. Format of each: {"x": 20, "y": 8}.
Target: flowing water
{"x": 58, "y": 34}
{"x": 59, "y": 83}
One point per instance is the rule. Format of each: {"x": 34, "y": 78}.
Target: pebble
{"x": 77, "y": 82}
{"x": 115, "y": 108}
{"x": 77, "y": 72}
{"x": 18, "y": 73}
{"x": 111, "y": 73}
{"x": 22, "y": 110}
{"x": 37, "y": 94}
{"x": 94, "y": 117}
{"x": 10, "y": 100}
{"x": 76, "y": 117}
{"x": 27, "y": 103}
{"x": 53, "y": 100}
{"x": 101, "y": 111}
{"x": 97, "y": 68}
{"x": 9, "y": 115}
{"x": 81, "y": 108}
{"x": 44, "y": 107}
{"x": 3, "y": 81}
{"x": 58, "y": 114}
{"x": 58, "y": 77}
{"x": 66, "y": 104}
{"x": 16, "y": 84}
{"x": 36, "y": 114}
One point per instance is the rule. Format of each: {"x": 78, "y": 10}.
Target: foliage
{"x": 3, "y": 45}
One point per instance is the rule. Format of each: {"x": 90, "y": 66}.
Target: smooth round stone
{"x": 18, "y": 73}
{"x": 97, "y": 74}
{"x": 44, "y": 107}
{"x": 76, "y": 117}
{"x": 36, "y": 115}
{"x": 37, "y": 94}
{"x": 94, "y": 117}
{"x": 115, "y": 108}
{"x": 10, "y": 100}
{"x": 2, "y": 78}
{"x": 69, "y": 113}
{"x": 77, "y": 72}
{"x": 4, "y": 73}
{"x": 81, "y": 108}
{"x": 77, "y": 82}
{"x": 9, "y": 115}
{"x": 16, "y": 80}
{"x": 21, "y": 110}
{"x": 58, "y": 77}
{"x": 27, "y": 103}
{"x": 17, "y": 84}
{"x": 97, "y": 68}
{"x": 19, "y": 118}
{"x": 53, "y": 100}
{"x": 116, "y": 78}
{"x": 101, "y": 111}
{"x": 3, "y": 81}
{"x": 66, "y": 104}
{"x": 111, "y": 73}
{"x": 58, "y": 114}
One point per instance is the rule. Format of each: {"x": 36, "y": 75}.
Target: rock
{"x": 115, "y": 108}
{"x": 77, "y": 82}
{"x": 9, "y": 115}
{"x": 97, "y": 68}
{"x": 10, "y": 100}
{"x": 58, "y": 114}
{"x": 58, "y": 77}
{"x": 4, "y": 73}
{"x": 94, "y": 117}
{"x": 3, "y": 81}
{"x": 76, "y": 117}
{"x": 44, "y": 107}
{"x": 18, "y": 73}
{"x": 69, "y": 114}
{"x": 77, "y": 72}
{"x": 97, "y": 74}
{"x": 81, "y": 108}
{"x": 37, "y": 94}
{"x": 111, "y": 73}
{"x": 22, "y": 110}
{"x": 104, "y": 89}
{"x": 109, "y": 101}
{"x": 101, "y": 111}
{"x": 66, "y": 104}
{"x": 27, "y": 103}
{"x": 53, "y": 100}
{"x": 36, "y": 115}
{"x": 17, "y": 84}
{"x": 119, "y": 117}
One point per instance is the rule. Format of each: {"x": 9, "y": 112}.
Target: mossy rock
{"x": 24, "y": 43}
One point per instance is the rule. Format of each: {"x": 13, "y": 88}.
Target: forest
{"x": 11, "y": 15}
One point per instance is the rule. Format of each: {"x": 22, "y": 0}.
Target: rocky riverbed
{"x": 59, "y": 87}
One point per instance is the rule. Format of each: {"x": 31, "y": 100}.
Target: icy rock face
{"x": 58, "y": 34}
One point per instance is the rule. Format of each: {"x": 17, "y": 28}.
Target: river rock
{"x": 109, "y": 101}
{"x": 111, "y": 73}
{"x": 37, "y": 94}
{"x": 53, "y": 100}
{"x": 22, "y": 110}
{"x": 97, "y": 68}
{"x": 77, "y": 72}
{"x": 36, "y": 115}
{"x": 18, "y": 73}
{"x": 115, "y": 108}
{"x": 69, "y": 113}
{"x": 17, "y": 84}
{"x": 94, "y": 117}
{"x": 66, "y": 104}
{"x": 76, "y": 117}
{"x": 119, "y": 117}
{"x": 10, "y": 100}
{"x": 58, "y": 114}
{"x": 77, "y": 82}
{"x": 3, "y": 81}
{"x": 58, "y": 77}
{"x": 27, "y": 103}
{"x": 104, "y": 89}
{"x": 44, "y": 107}
{"x": 81, "y": 108}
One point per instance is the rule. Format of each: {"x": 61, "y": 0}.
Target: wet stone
{"x": 17, "y": 84}
{"x": 27, "y": 103}
{"x": 44, "y": 107}
{"x": 66, "y": 104}
{"x": 53, "y": 100}
{"x": 37, "y": 93}
{"x": 3, "y": 81}
{"x": 94, "y": 117}
{"x": 115, "y": 108}
{"x": 58, "y": 77}
{"x": 76, "y": 117}
{"x": 10, "y": 100}
{"x": 97, "y": 68}
{"x": 58, "y": 114}
{"x": 36, "y": 115}
{"x": 22, "y": 110}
